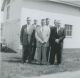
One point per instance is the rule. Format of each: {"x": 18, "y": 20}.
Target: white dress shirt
{"x": 58, "y": 29}
{"x": 29, "y": 29}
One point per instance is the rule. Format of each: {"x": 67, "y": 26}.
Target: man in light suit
{"x": 42, "y": 37}
{"x": 25, "y": 37}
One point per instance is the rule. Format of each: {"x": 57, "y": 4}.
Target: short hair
{"x": 55, "y": 21}
{"x": 58, "y": 21}
{"x": 35, "y": 19}
{"x": 28, "y": 18}
{"x": 42, "y": 19}
{"x": 47, "y": 19}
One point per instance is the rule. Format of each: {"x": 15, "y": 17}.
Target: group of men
{"x": 44, "y": 40}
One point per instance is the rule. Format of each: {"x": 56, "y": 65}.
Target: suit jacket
{"x": 24, "y": 36}
{"x": 60, "y": 35}
{"x": 52, "y": 36}
{"x": 33, "y": 39}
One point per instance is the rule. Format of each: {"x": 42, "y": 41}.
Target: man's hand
{"x": 57, "y": 40}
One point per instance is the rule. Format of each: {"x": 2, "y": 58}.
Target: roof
{"x": 75, "y": 3}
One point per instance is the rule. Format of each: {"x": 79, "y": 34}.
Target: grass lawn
{"x": 11, "y": 66}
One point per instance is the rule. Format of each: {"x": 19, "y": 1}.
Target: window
{"x": 8, "y": 1}
{"x": 68, "y": 29}
{"x": 8, "y": 12}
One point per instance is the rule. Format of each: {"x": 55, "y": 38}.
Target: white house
{"x": 16, "y": 12}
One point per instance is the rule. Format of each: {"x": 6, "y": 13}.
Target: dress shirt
{"x": 58, "y": 29}
{"x": 29, "y": 29}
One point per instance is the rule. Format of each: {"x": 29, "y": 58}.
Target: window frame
{"x": 69, "y": 30}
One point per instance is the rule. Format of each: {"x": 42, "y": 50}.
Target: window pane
{"x": 71, "y": 27}
{"x": 67, "y": 33}
{"x": 70, "y": 33}
{"x": 68, "y": 29}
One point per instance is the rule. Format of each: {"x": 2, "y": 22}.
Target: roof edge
{"x": 57, "y": 1}
{"x": 65, "y": 2}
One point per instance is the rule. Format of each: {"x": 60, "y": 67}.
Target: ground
{"x": 11, "y": 66}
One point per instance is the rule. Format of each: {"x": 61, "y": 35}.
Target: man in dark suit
{"x": 60, "y": 35}
{"x": 56, "y": 43}
{"x": 25, "y": 37}
{"x": 56, "y": 40}
{"x": 52, "y": 44}
{"x": 33, "y": 40}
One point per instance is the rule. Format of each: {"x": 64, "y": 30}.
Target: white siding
{"x": 11, "y": 34}
{"x": 15, "y": 8}
{"x": 11, "y": 26}
{"x": 38, "y": 10}
{"x": 52, "y": 7}
{"x": 67, "y": 15}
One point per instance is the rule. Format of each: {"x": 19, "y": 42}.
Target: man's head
{"x": 35, "y": 21}
{"x": 57, "y": 23}
{"x": 47, "y": 21}
{"x": 43, "y": 22}
{"x": 28, "y": 20}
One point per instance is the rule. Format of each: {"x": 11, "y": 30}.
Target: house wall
{"x": 11, "y": 26}
{"x": 0, "y": 33}
{"x": 11, "y": 34}
{"x": 38, "y": 10}
{"x": 54, "y": 7}
{"x": 67, "y": 15}
{"x": 15, "y": 8}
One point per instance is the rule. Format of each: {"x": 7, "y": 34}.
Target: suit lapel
{"x": 60, "y": 31}
{"x": 56, "y": 30}
{"x": 25, "y": 29}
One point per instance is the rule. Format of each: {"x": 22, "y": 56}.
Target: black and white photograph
{"x": 40, "y": 39}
